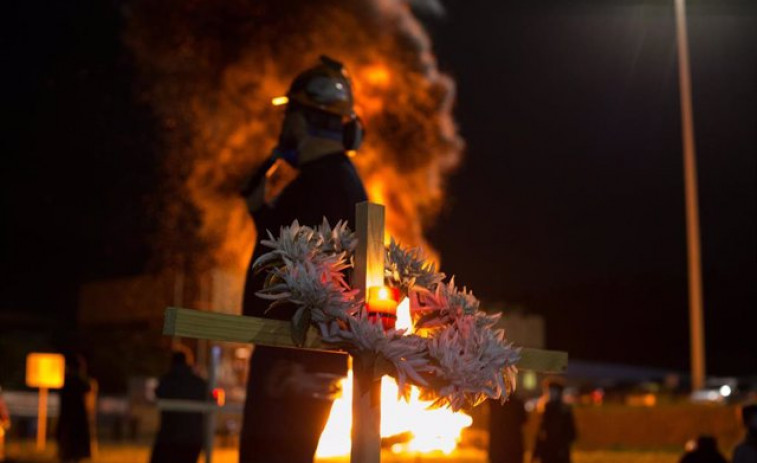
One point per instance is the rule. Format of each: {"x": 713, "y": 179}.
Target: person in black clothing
{"x": 706, "y": 451}
{"x": 506, "y": 423}
{"x": 73, "y": 423}
{"x": 179, "y": 438}
{"x": 308, "y": 178}
{"x": 557, "y": 430}
{"x": 746, "y": 451}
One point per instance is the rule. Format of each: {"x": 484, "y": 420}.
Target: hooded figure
{"x": 309, "y": 177}
{"x": 557, "y": 430}
{"x": 705, "y": 451}
{"x": 746, "y": 451}
{"x": 73, "y": 423}
{"x": 179, "y": 438}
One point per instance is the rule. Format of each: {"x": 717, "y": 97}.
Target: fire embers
{"x": 209, "y": 70}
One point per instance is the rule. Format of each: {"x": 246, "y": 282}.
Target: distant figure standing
{"x": 179, "y": 438}
{"x": 5, "y": 424}
{"x": 746, "y": 451}
{"x": 557, "y": 430}
{"x": 73, "y": 423}
{"x": 705, "y": 451}
{"x": 506, "y": 430}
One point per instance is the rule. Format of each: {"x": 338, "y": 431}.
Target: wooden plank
{"x": 543, "y": 361}
{"x": 233, "y": 328}
{"x": 366, "y": 396}
{"x": 197, "y": 324}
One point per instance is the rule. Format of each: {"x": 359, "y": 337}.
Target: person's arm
{"x": 254, "y": 191}
{"x": 271, "y": 178}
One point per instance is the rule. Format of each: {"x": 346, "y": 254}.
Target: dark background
{"x": 569, "y": 203}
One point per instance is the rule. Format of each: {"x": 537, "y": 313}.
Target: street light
{"x": 696, "y": 304}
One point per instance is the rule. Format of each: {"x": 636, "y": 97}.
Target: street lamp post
{"x": 696, "y": 304}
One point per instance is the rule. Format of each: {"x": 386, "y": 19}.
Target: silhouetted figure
{"x": 179, "y": 438}
{"x": 73, "y": 422}
{"x": 746, "y": 451}
{"x": 506, "y": 430}
{"x": 5, "y": 424}
{"x": 288, "y": 400}
{"x": 705, "y": 451}
{"x": 557, "y": 430}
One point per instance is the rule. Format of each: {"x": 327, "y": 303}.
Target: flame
{"x": 377, "y": 75}
{"x": 431, "y": 430}
{"x": 404, "y": 320}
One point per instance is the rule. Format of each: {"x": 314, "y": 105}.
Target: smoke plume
{"x": 209, "y": 70}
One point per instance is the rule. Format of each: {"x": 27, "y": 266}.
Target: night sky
{"x": 569, "y": 203}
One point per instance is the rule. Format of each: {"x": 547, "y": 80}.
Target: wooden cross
{"x": 366, "y": 397}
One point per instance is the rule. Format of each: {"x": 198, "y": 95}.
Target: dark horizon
{"x": 569, "y": 202}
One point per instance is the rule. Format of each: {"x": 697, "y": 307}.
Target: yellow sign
{"x": 45, "y": 370}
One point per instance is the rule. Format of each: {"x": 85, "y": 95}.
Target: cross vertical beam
{"x": 369, "y": 255}
{"x": 366, "y": 392}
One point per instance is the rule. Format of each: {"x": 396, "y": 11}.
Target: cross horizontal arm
{"x": 187, "y": 323}
{"x": 197, "y": 324}
{"x": 542, "y": 360}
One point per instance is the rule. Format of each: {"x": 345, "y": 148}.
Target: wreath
{"x": 455, "y": 356}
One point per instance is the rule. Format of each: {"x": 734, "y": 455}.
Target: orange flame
{"x": 436, "y": 430}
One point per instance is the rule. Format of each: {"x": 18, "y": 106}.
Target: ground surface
{"x": 120, "y": 453}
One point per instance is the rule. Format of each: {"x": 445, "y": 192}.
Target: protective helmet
{"x": 325, "y": 87}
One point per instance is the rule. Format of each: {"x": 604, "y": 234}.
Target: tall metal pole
{"x": 696, "y": 304}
